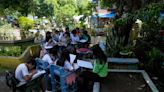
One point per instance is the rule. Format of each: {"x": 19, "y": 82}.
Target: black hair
{"x": 85, "y": 32}
{"x": 64, "y": 56}
{"x": 32, "y": 62}
{"x": 53, "y": 50}
{"x": 48, "y": 36}
{"x": 74, "y": 31}
{"x": 67, "y": 29}
{"x": 99, "y": 54}
{"x": 67, "y": 33}
{"x": 77, "y": 28}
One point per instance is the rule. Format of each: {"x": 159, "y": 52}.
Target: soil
{"x": 125, "y": 82}
{"x": 115, "y": 82}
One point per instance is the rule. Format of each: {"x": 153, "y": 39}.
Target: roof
{"x": 102, "y": 13}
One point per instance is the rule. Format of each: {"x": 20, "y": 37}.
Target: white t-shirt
{"x": 47, "y": 58}
{"x": 74, "y": 39}
{"x": 21, "y": 72}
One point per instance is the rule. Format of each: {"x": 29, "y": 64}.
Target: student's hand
{"x": 33, "y": 72}
{"x": 28, "y": 77}
{"x": 50, "y": 40}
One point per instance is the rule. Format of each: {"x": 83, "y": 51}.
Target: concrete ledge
{"x": 12, "y": 62}
{"x": 123, "y": 60}
{"x": 17, "y": 41}
{"x": 96, "y": 87}
{"x": 123, "y": 63}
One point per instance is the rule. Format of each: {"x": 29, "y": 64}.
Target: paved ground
{"x": 3, "y": 87}
{"x": 115, "y": 82}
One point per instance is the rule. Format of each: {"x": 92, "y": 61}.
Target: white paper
{"x": 48, "y": 47}
{"x": 21, "y": 83}
{"x": 39, "y": 73}
{"x": 72, "y": 58}
{"x": 85, "y": 64}
{"x": 83, "y": 41}
{"x": 75, "y": 66}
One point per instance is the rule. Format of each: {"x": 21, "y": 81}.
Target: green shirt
{"x": 100, "y": 69}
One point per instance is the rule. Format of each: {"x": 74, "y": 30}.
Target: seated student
{"x": 64, "y": 61}
{"x": 64, "y": 41}
{"x": 74, "y": 37}
{"x": 85, "y": 39}
{"x": 51, "y": 56}
{"x": 56, "y": 35}
{"x": 100, "y": 69}
{"x": 85, "y": 36}
{"x": 49, "y": 40}
{"x": 24, "y": 73}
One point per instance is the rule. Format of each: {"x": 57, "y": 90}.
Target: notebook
{"x": 38, "y": 74}
{"x": 85, "y": 64}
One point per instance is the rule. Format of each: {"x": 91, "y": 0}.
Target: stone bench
{"x": 123, "y": 63}
{"x": 96, "y": 87}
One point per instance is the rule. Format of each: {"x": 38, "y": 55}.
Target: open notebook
{"x": 85, "y": 64}
{"x": 38, "y": 74}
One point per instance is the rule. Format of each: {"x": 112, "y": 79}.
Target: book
{"x": 85, "y": 64}
{"x": 38, "y": 74}
{"x": 72, "y": 58}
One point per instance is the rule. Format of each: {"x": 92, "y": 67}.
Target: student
{"x": 74, "y": 37}
{"x": 49, "y": 40}
{"x": 85, "y": 36}
{"x": 64, "y": 60}
{"x": 100, "y": 69}
{"x": 85, "y": 39}
{"x": 25, "y": 71}
{"x": 51, "y": 56}
{"x": 64, "y": 41}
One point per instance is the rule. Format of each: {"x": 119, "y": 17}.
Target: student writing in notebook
{"x": 64, "y": 60}
{"x": 99, "y": 72}
{"x": 24, "y": 73}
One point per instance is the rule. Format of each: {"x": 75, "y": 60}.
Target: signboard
{"x": 94, "y": 1}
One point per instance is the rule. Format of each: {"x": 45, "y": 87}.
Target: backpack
{"x": 11, "y": 81}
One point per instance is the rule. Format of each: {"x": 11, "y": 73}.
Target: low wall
{"x": 123, "y": 63}
{"x": 17, "y": 41}
{"x": 12, "y": 62}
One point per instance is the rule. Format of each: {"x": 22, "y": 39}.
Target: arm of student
{"x": 29, "y": 76}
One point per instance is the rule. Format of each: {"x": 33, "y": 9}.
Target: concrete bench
{"x": 96, "y": 87}
{"x": 123, "y": 63}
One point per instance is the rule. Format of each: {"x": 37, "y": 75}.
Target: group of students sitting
{"x": 63, "y": 38}
{"x": 55, "y": 52}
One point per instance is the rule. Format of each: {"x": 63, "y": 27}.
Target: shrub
{"x": 25, "y": 23}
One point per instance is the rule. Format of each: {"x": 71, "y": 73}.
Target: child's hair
{"x": 63, "y": 57}
{"x": 32, "y": 62}
{"x": 53, "y": 50}
{"x": 99, "y": 54}
{"x": 48, "y": 36}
